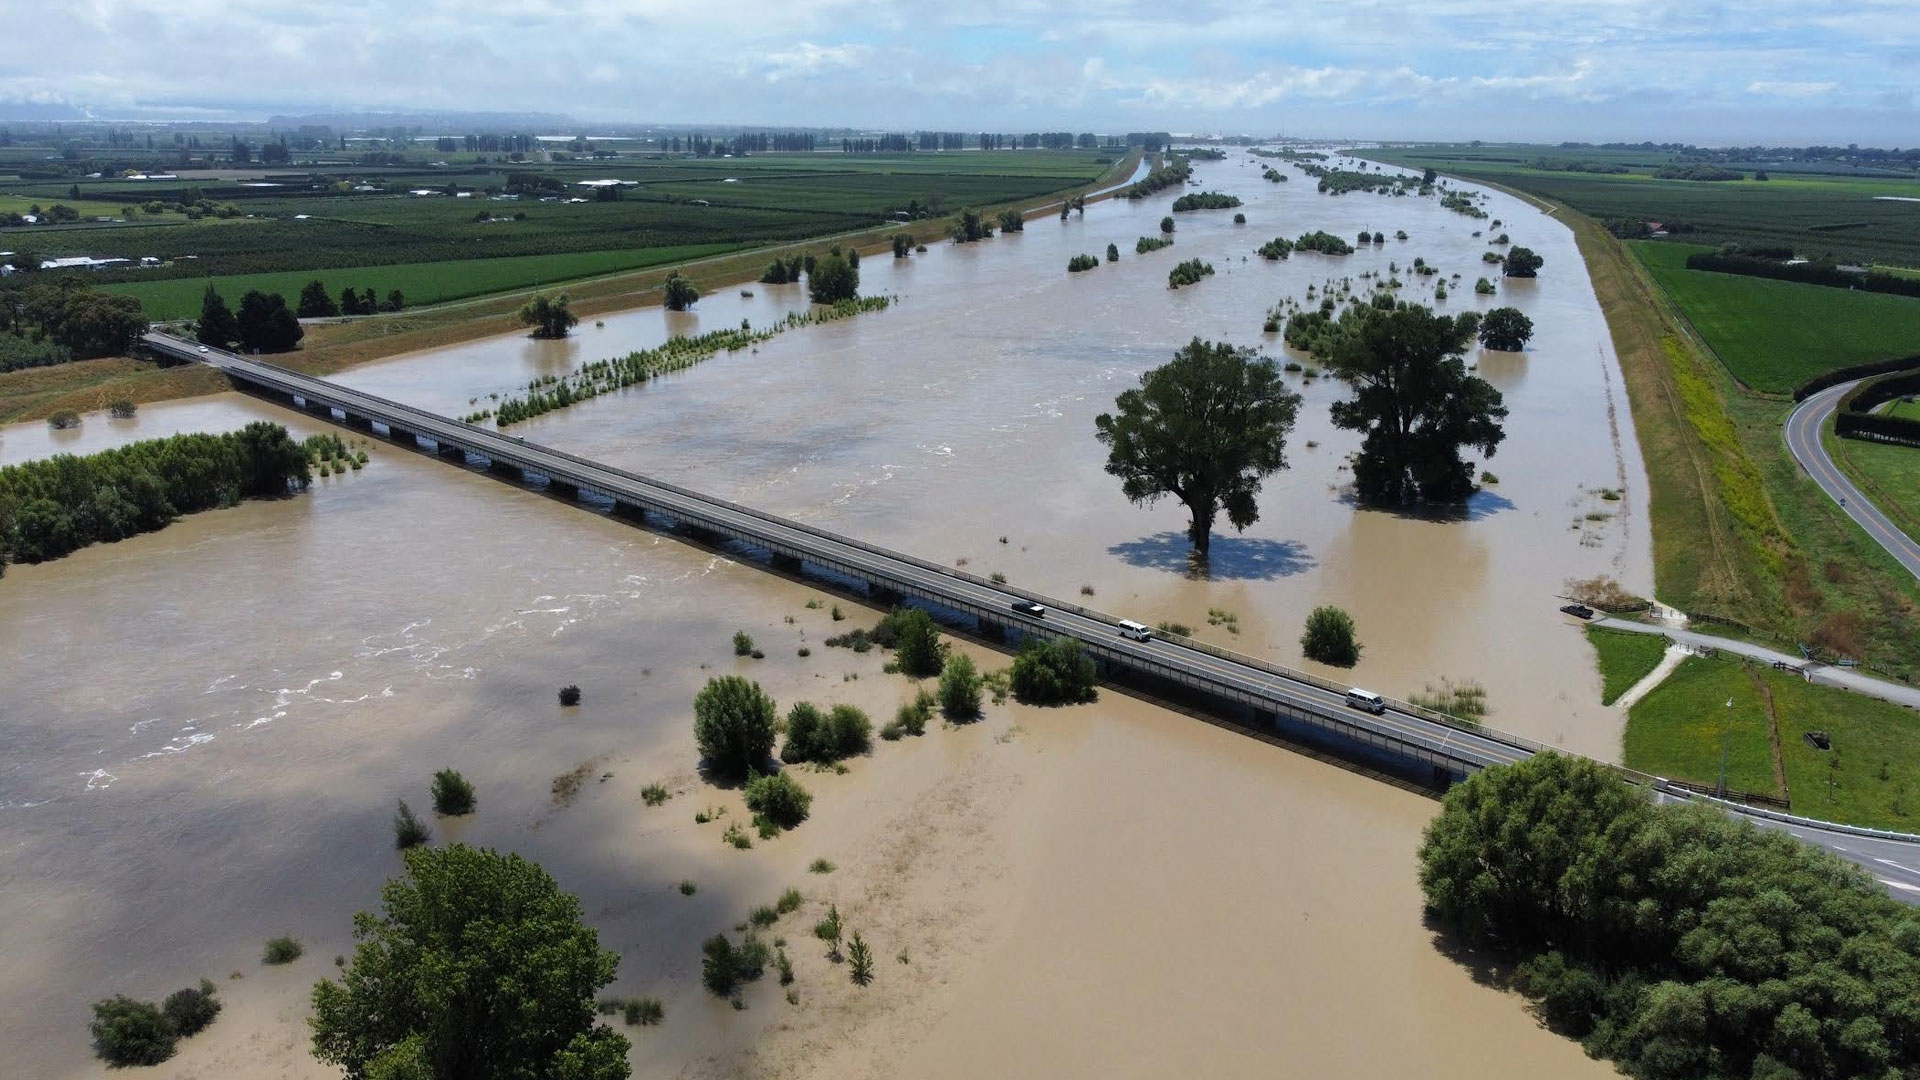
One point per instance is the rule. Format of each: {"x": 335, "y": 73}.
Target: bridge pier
{"x": 506, "y": 469}
{"x": 403, "y": 436}
{"x": 630, "y": 511}
{"x": 699, "y": 533}
{"x": 357, "y": 422}
{"x": 449, "y": 450}
{"x": 788, "y": 563}
{"x": 995, "y": 631}
{"x": 562, "y": 488}
{"x": 883, "y": 595}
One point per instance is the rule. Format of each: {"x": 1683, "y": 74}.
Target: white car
{"x": 203, "y": 348}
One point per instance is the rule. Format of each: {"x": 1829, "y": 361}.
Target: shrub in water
{"x": 189, "y": 1011}
{"x": 778, "y": 799}
{"x": 742, "y": 644}
{"x": 960, "y": 689}
{"x": 917, "y": 644}
{"x": 733, "y": 724}
{"x": 859, "y": 960}
{"x": 282, "y": 950}
{"x": 1054, "y": 672}
{"x": 1329, "y": 637}
{"x": 789, "y": 902}
{"x": 655, "y": 794}
{"x": 129, "y": 1032}
{"x": 408, "y": 829}
{"x": 452, "y": 794}
{"x": 569, "y": 695}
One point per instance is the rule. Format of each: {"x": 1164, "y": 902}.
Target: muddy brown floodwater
{"x": 207, "y": 728}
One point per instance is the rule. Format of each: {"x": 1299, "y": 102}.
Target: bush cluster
{"x": 733, "y": 724}
{"x": 54, "y": 506}
{"x": 1676, "y": 940}
{"x": 1189, "y": 273}
{"x": 452, "y": 793}
{"x": 1056, "y": 672}
{"x": 825, "y": 737}
{"x": 127, "y": 1031}
{"x": 778, "y": 800}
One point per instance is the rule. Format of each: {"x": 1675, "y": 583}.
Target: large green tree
{"x": 1417, "y": 404}
{"x": 266, "y": 324}
{"x": 316, "y": 304}
{"x": 1207, "y": 428}
{"x": 476, "y": 967}
{"x": 217, "y": 326}
{"x": 550, "y": 316}
{"x": 96, "y": 324}
{"x": 678, "y": 293}
{"x": 833, "y": 279}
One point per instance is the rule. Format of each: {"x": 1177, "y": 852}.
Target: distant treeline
{"x": 1696, "y": 171}
{"x": 1805, "y": 273}
{"x": 57, "y": 505}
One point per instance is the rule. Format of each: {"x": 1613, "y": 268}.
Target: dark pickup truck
{"x": 1030, "y": 609}
{"x": 1578, "y": 611}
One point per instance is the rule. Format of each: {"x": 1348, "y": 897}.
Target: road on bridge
{"x": 1895, "y": 862}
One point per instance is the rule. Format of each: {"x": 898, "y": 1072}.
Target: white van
{"x": 1366, "y": 700}
{"x": 1136, "y": 631}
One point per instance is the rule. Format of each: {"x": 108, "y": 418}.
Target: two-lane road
{"x": 1804, "y": 428}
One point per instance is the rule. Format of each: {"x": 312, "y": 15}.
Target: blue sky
{"x": 1759, "y": 71}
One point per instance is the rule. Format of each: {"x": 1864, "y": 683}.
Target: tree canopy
{"x": 1523, "y": 263}
{"x": 1674, "y": 940}
{"x": 1207, "y": 427}
{"x": 315, "y": 303}
{"x": 550, "y": 316}
{"x": 733, "y": 723}
{"x": 266, "y": 324}
{"x": 1506, "y": 329}
{"x": 678, "y": 292}
{"x": 833, "y": 279}
{"x": 217, "y": 326}
{"x": 476, "y": 967}
{"x": 1417, "y": 404}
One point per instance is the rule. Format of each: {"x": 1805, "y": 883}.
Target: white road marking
{"x": 1900, "y": 885}
{"x": 1896, "y": 866}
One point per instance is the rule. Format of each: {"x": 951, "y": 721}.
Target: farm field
{"x": 1680, "y": 729}
{"x": 1838, "y": 213}
{"x": 317, "y": 220}
{"x": 421, "y": 283}
{"x": 1775, "y": 335}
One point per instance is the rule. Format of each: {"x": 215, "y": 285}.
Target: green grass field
{"x": 422, "y": 283}
{"x": 1625, "y": 659}
{"x": 1888, "y": 473}
{"x": 1678, "y": 730}
{"x": 1871, "y": 777}
{"x": 1775, "y": 335}
{"x": 1901, "y": 407}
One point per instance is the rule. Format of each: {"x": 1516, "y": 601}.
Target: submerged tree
{"x": 832, "y": 280}
{"x": 549, "y": 316}
{"x": 1523, "y": 263}
{"x": 1206, "y": 428}
{"x": 1417, "y": 404}
{"x": 1506, "y": 329}
{"x": 679, "y": 292}
{"x": 477, "y": 967}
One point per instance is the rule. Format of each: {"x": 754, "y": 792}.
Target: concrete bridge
{"x": 1414, "y": 742}
{"x": 1271, "y": 701}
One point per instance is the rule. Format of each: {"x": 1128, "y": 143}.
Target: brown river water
{"x": 206, "y": 728}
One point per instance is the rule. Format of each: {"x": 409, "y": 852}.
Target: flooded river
{"x": 207, "y": 728}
